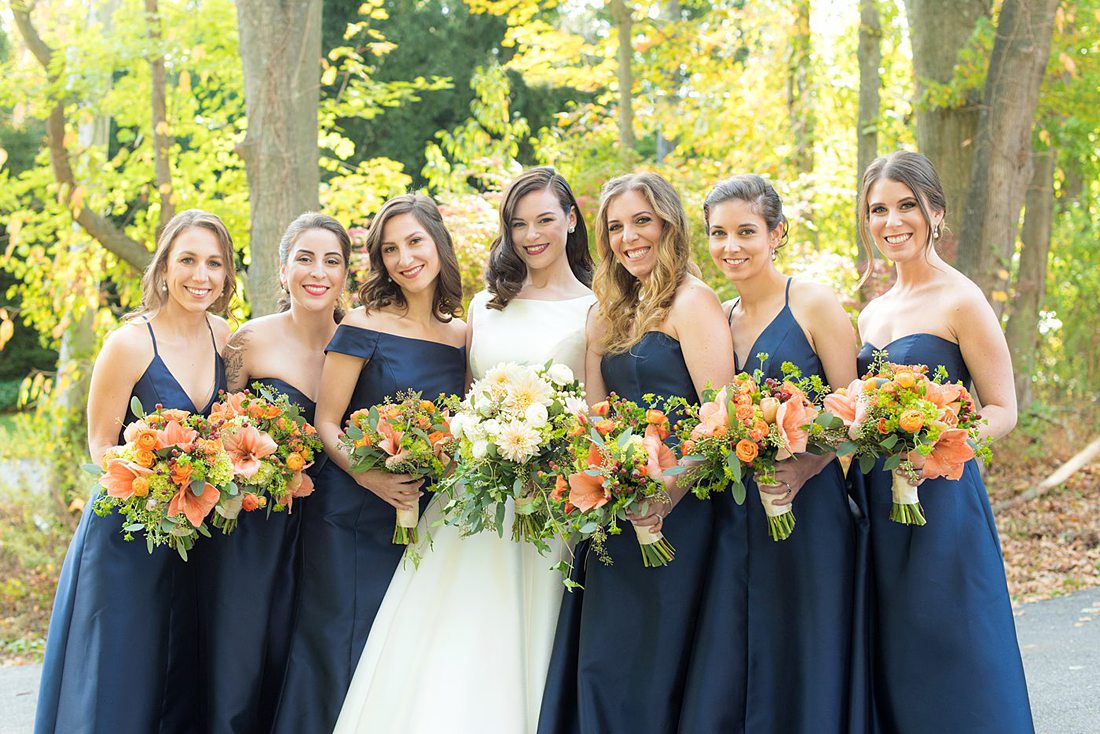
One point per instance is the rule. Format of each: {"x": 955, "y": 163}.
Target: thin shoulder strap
{"x": 787, "y": 293}
{"x": 729, "y": 316}
{"x": 212, "y": 339}
{"x": 149, "y": 326}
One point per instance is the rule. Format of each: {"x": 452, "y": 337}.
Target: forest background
{"x": 114, "y": 114}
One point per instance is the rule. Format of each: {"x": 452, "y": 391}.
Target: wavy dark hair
{"x": 304, "y": 223}
{"x": 506, "y": 271}
{"x": 379, "y": 290}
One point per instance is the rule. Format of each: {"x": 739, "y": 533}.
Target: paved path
{"x": 1060, "y": 640}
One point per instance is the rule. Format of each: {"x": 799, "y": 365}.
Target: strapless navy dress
{"x": 944, "y": 653}
{"x": 623, "y": 645}
{"x": 122, "y": 650}
{"x": 774, "y": 642}
{"x": 348, "y": 556}
{"x": 247, "y": 585}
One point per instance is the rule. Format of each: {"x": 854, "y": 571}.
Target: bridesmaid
{"x": 945, "y": 654}
{"x": 406, "y": 336}
{"x": 795, "y": 667}
{"x": 623, "y": 645}
{"x": 249, "y": 578}
{"x": 121, "y": 650}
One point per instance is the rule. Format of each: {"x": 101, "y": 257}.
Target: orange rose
{"x": 181, "y": 474}
{"x": 256, "y": 410}
{"x": 310, "y": 430}
{"x": 605, "y": 426}
{"x": 272, "y": 411}
{"x": 140, "y": 486}
{"x": 576, "y": 430}
{"x": 882, "y": 426}
{"x": 742, "y": 399}
{"x": 144, "y": 457}
{"x": 911, "y": 421}
{"x": 295, "y": 462}
{"x": 655, "y": 417}
{"x": 769, "y": 407}
{"x": 147, "y": 440}
{"x": 745, "y": 413}
{"x": 174, "y": 415}
{"x": 906, "y": 379}
{"x": 423, "y": 422}
{"x": 687, "y": 446}
{"x": 427, "y": 405}
{"x": 601, "y": 408}
{"x": 746, "y": 450}
{"x": 250, "y": 502}
{"x": 869, "y": 386}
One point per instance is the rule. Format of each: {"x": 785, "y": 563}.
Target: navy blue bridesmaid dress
{"x": 348, "y": 556}
{"x": 122, "y": 654}
{"x": 789, "y": 671}
{"x": 247, "y": 585}
{"x": 944, "y": 653}
{"x": 622, "y": 647}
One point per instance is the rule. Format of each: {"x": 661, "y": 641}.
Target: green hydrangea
{"x": 221, "y": 473}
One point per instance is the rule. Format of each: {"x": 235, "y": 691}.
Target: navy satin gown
{"x": 944, "y": 653}
{"x": 348, "y": 556}
{"x": 122, "y": 653}
{"x": 247, "y": 584}
{"x": 623, "y": 645}
{"x": 775, "y": 636}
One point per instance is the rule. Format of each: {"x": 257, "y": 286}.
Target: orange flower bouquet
{"x": 616, "y": 466}
{"x": 166, "y": 479}
{"x": 409, "y": 436}
{"x": 747, "y": 427}
{"x": 270, "y": 444}
{"x": 925, "y": 427}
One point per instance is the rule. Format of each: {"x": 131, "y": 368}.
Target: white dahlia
{"x": 518, "y": 441}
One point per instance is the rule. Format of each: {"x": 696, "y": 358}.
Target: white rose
{"x": 480, "y": 448}
{"x": 536, "y": 415}
{"x": 560, "y": 374}
{"x": 491, "y": 426}
{"x": 457, "y": 425}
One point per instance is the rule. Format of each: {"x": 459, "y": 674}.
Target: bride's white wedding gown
{"x": 461, "y": 644}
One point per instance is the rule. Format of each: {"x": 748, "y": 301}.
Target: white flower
{"x": 536, "y": 415}
{"x": 473, "y": 429}
{"x": 480, "y": 448}
{"x": 457, "y": 425}
{"x": 575, "y": 405}
{"x": 560, "y": 374}
{"x": 528, "y": 389}
{"x": 491, "y": 427}
{"x": 518, "y": 442}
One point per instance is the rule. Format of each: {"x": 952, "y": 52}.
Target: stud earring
{"x": 773, "y": 255}
{"x": 572, "y": 228}
{"x": 164, "y": 285}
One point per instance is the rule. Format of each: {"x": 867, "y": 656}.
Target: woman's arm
{"x": 595, "y": 389}
{"x": 117, "y": 369}
{"x": 985, "y": 351}
{"x": 237, "y": 367}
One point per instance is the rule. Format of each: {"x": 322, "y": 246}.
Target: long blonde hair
{"x": 625, "y": 319}
{"x": 153, "y": 297}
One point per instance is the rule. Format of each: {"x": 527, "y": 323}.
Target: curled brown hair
{"x": 153, "y": 297}
{"x": 506, "y": 271}
{"x": 304, "y": 223}
{"x": 624, "y": 318}
{"x": 379, "y": 291}
{"x": 914, "y": 171}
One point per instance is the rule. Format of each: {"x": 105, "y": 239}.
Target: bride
{"x": 462, "y": 643}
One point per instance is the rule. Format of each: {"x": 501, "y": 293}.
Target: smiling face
{"x": 739, "y": 241}
{"x": 634, "y": 232}
{"x": 196, "y": 269}
{"x": 539, "y": 229}
{"x": 409, "y": 254}
{"x": 896, "y": 221}
{"x": 315, "y": 271}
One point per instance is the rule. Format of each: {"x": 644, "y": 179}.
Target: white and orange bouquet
{"x": 166, "y": 479}
{"x": 617, "y": 462}
{"x": 270, "y": 444}
{"x": 747, "y": 428}
{"x": 511, "y": 428}
{"x": 406, "y": 435}
{"x": 925, "y": 427}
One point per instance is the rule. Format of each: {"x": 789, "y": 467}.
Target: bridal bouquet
{"x": 408, "y": 435}
{"x": 168, "y": 476}
{"x": 925, "y": 427}
{"x": 270, "y": 444}
{"x": 511, "y": 428}
{"x": 615, "y": 468}
{"x": 747, "y": 427}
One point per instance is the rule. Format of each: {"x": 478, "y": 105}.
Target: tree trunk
{"x": 670, "y": 13}
{"x": 161, "y": 140}
{"x": 280, "y": 45}
{"x": 870, "y": 59}
{"x": 800, "y": 105}
{"x": 938, "y": 30}
{"x": 624, "y": 22}
{"x": 1002, "y": 156}
{"x": 1022, "y": 330}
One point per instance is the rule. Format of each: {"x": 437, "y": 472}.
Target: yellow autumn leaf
{"x": 3, "y": 157}
{"x": 329, "y": 76}
{"x": 999, "y": 296}
{"x": 185, "y": 82}
{"x": 7, "y": 328}
{"x": 76, "y": 202}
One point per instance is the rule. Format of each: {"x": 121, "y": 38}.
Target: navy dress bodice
{"x": 250, "y": 575}
{"x": 629, "y": 676}
{"x": 346, "y": 547}
{"x": 776, "y": 631}
{"x": 122, "y": 650}
{"x": 940, "y": 620}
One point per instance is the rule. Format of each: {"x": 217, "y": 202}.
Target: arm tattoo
{"x": 235, "y": 376}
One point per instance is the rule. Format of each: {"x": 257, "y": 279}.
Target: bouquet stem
{"x": 780, "y": 517}
{"x": 404, "y": 531}
{"x": 906, "y": 509}
{"x": 656, "y": 550}
{"x": 526, "y": 526}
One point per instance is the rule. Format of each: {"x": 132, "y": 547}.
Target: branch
{"x": 1064, "y": 472}
{"x": 99, "y": 227}
{"x": 161, "y": 139}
